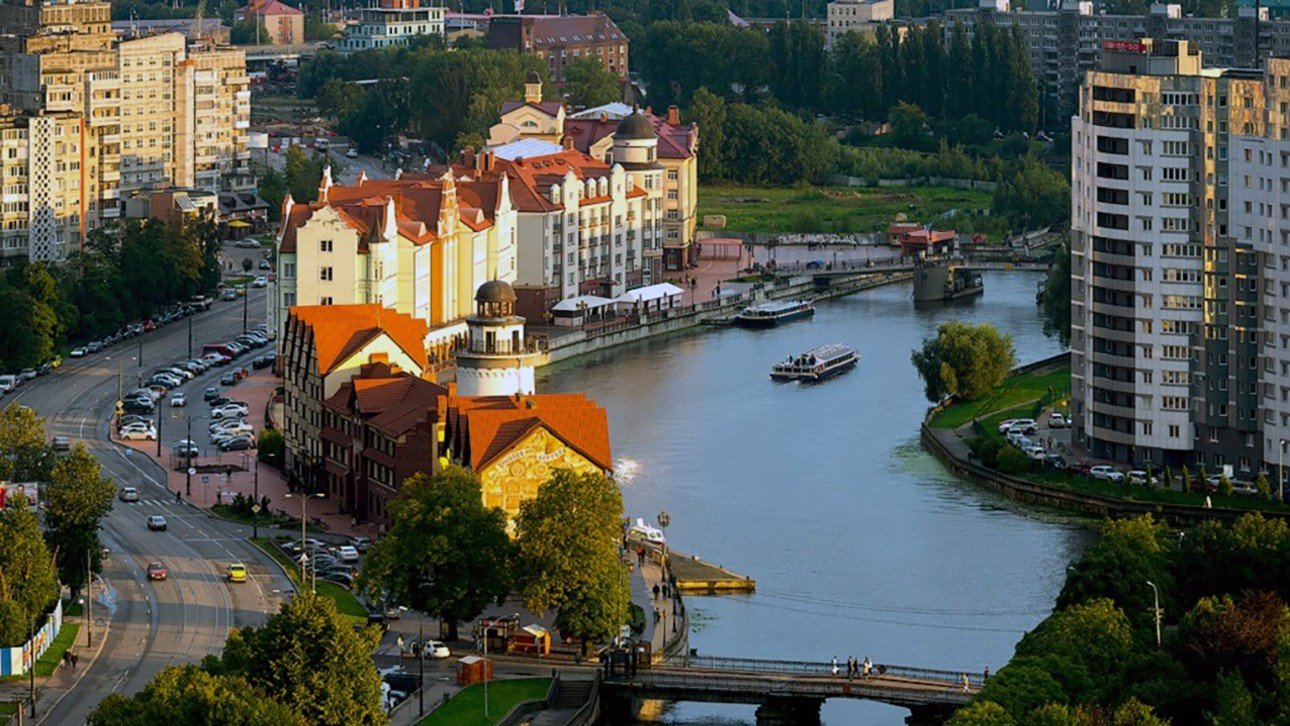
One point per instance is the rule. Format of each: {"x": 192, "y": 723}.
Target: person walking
{"x": 986, "y": 676}
{"x": 835, "y": 666}
{"x": 868, "y": 667}
{"x": 656, "y": 590}
{"x": 966, "y": 683}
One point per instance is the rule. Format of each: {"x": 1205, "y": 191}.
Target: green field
{"x": 467, "y": 707}
{"x": 1015, "y": 391}
{"x": 345, "y": 601}
{"x": 834, "y": 209}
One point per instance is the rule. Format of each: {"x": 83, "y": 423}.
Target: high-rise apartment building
{"x": 1164, "y": 317}
{"x": 145, "y": 112}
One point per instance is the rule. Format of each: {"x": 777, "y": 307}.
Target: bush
{"x": 986, "y": 448}
{"x": 1012, "y": 461}
{"x": 271, "y": 446}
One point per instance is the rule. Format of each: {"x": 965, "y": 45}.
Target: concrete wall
{"x": 13, "y": 661}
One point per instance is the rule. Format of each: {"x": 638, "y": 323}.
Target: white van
{"x": 8, "y": 383}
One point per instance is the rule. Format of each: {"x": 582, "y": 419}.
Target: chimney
{"x": 378, "y": 358}
{"x": 674, "y": 115}
{"x": 567, "y": 143}
{"x": 490, "y": 159}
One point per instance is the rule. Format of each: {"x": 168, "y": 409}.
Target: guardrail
{"x": 752, "y": 686}
{"x": 815, "y": 668}
{"x": 590, "y": 710}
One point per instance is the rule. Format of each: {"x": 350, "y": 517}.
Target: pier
{"x": 696, "y": 577}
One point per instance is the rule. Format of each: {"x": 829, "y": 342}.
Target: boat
{"x": 768, "y": 315}
{"x": 816, "y": 364}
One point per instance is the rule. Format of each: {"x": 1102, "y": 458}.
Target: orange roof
{"x": 339, "y": 331}
{"x": 272, "y": 7}
{"x": 532, "y": 177}
{"x": 484, "y": 427}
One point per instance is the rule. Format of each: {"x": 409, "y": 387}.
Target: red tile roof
{"x": 674, "y": 141}
{"x": 393, "y": 403}
{"x": 484, "y": 427}
{"x": 559, "y": 30}
{"x": 273, "y": 7}
{"x": 550, "y": 108}
{"x": 339, "y": 331}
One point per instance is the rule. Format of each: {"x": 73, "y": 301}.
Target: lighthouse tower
{"x": 497, "y": 362}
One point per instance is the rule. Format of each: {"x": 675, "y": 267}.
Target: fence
{"x": 820, "y": 668}
{"x": 16, "y": 660}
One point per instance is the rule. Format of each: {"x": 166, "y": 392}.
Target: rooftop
{"x": 339, "y": 331}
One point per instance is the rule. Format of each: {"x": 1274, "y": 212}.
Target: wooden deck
{"x": 694, "y": 576}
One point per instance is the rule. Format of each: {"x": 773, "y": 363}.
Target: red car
{"x": 149, "y": 326}
{"x": 157, "y": 571}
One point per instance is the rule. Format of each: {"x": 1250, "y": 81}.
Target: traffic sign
{"x": 191, "y": 471}
{"x": 255, "y": 509}
{"x": 206, "y": 479}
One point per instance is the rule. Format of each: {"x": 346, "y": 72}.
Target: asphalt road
{"x": 187, "y": 616}
{"x": 370, "y": 164}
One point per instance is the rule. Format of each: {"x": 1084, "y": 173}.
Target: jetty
{"x": 696, "y": 577}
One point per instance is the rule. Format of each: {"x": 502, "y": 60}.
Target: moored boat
{"x": 768, "y": 315}
{"x": 816, "y": 364}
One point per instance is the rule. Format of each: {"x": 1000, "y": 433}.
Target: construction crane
{"x": 201, "y": 12}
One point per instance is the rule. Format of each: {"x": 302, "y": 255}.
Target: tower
{"x": 533, "y": 88}
{"x": 497, "y": 361}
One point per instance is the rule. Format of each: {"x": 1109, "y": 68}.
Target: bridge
{"x": 785, "y": 692}
{"x": 845, "y": 269}
{"x": 275, "y": 53}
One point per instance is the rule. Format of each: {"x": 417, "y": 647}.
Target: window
{"x": 324, "y": 301}
{"x": 325, "y": 274}
{"x": 324, "y": 245}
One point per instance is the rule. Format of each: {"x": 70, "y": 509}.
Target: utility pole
{"x": 246, "y": 303}
{"x": 188, "y": 463}
{"x": 89, "y": 601}
{"x": 190, "y": 335}
{"x": 255, "y": 506}
{"x": 159, "y": 418}
{"x": 1155, "y": 591}
{"x": 421, "y": 664}
{"x": 140, "y": 350}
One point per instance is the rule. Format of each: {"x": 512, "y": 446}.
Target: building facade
{"x": 152, "y": 111}
{"x": 557, "y": 39}
{"x": 1164, "y": 342}
{"x": 386, "y": 23}
{"x": 280, "y": 24}
{"x": 860, "y": 16}
{"x": 1065, "y": 43}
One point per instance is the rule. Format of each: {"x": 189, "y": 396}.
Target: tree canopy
{"x": 587, "y": 82}
{"x": 445, "y": 553}
{"x": 568, "y": 554}
{"x": 190, "y": 695}
{"x": 28, "y": 579}
{"x": 964, "y": 360}
{"x": 77, "y": 498}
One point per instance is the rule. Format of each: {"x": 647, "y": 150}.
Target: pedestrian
{"x": 868, "y": 667}
{"x": 179, "y": 496}
{"x": 67, "y": 660}
{"x": 986, "y": 676}
{"x": 966, "y": 683}
{"x": 74, "y": 658}
{"x": 656, "y": 590}
{"x": 835, "y": 666}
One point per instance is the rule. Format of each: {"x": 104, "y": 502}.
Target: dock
{"x": 696, "y": 577}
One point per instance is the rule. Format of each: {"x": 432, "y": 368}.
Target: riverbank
{"x": 947, "y": 432}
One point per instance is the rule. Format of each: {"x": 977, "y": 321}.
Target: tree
{"x": 981, "y": 713}
{"x": 247, "y": 32}
{"x": 24, "y": 454}
{"x": 1263, "y": 486}
{"x": 445, "y": 554}
{"x": 567, "y": 538}
{"x": 247, "y": 264}
{"x": 1234, "y": 634}
{"x": 909, "y": 125}
{"x": 1084, "y": 646}
{"x": 190, "y": 695}
{"x": 587, "y": 82}
{"x": 1224, "y": 485}
{"x": 317, "y": 29}
{"x": 308, "y": 657}
{"x": 28, "y": 580}
{"x": 964, "y": 360}
{"x": 708, "y": 111}
{"x": 1022, "y": 689}
{"x": 1129, "y": 553}
{"x": 1032, "y": 196}
{"x": 77, "y": 498}
{"x": 338, "y": 98}
{"x": 1056, "y": 307}
{"x": 273, "y": 189}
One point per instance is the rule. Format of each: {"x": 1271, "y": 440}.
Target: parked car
{"x": 228, "y": 379}
{"x": 239, "y": 443}
{"x": 1035, "y": 452}
{"x": 260, "y": 282}
{"x": 435, "y": 649}
{"x": 61, "y": 443}
{"x": 178, "y": 399}
{"x": 27, "y": 374}
{"x": 347, "y": 553}
{"x": 157, "y": 571}
{"x": 157, "y": 523}
{"x": 1056, "y": 461}
{"x": 186, "y": 448}
{"x": 1106, "y": 473}
{"x": 78, "y": 352}
{"x": 128, "y": 494}
{"x": 1057, "y": 420}
{"x": 138, "y": 434}
{"x": 340, "y": 578}
{"x": 1137, "y": 477}
{"x": 1024, "y": 425}
{"x": 229, "y": 409}
{"x": 131, "y": 418}
{"x": 362, "y": 544}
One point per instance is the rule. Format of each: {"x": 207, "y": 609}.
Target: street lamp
{"x": 1281, "y": 470}
{"x": 89, "y": 601}
{"x": 304, "y": 501}
{"x": 1155, "y": 592}
{"x": 664, "y": 519}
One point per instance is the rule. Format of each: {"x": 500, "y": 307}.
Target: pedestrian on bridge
{"x": 966, "y": 683}
{"x": 835, "y": 666}
{"x": 868, "y": 667}
{"x": 656, "y": 590}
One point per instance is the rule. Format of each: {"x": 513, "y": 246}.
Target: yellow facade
{"x": 517, "y": 474}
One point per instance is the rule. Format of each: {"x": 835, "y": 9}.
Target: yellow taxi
{"x": 237, "y": 572}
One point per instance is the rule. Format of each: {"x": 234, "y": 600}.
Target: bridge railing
{"x": 815, "y": 668}
{"x": 774, "y": 684}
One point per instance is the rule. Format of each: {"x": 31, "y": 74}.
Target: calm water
{"x": 860, "y": 542}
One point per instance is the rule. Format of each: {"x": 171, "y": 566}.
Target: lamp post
{"x": 1281, "y": 470}
{"x": 664, "y": 519}
{"x": 188, "y": 454}
{"x": 31, "y": 664}
{"x": 190, "y": 333}
{"x": 304, "y": 556}
{"x": 89, "y": 602}
{"x": 1155, "y": 592}
{"x": 255, "y": 506}
{"x": 421, "y": 665}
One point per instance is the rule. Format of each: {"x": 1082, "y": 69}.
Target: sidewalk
{"x": 665, "y": 621}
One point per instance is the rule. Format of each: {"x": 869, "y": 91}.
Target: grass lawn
{"x": 833, "y": 209}
{"x": 467, "y": 707}
{"x": 46, "y": 663}
{"x": 9, "y": 708}
{"x": 226, "y": 511}
{"x": 345, "y": 601}
{"x": 1015, "y": 391}
{"x": 1083, "y": 484}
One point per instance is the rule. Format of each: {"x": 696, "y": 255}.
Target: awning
{"x": 239, "y": 223}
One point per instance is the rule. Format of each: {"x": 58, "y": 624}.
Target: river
{"x": 860, "y": 542}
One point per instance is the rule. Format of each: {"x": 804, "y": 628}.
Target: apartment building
{"x": 419, "y": 245}
{"x": 1164, "y": 342}
{"x": 153, "y": 110}
{"x": 385, "y": 23}
{"x": 1066, "y": 42}
{"x": 557, "y": 39}
{"x": 279, "y": 23}
{"x": 40, "y": 165}
{"x": 861, "y": 16}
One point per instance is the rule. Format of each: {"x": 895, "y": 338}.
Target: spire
{"x": 325, "y": 184}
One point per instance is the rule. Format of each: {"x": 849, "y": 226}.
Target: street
{"x": 369, "y": 164}
{"x": 187, "y": 616}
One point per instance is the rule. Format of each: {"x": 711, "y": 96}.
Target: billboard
{"x": 1124, "y": 46}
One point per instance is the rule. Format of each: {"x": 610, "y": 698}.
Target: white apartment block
{"x": 1161, "y": 321}
{"x": 858, "y": 15}
{"x": 386, "y": 23}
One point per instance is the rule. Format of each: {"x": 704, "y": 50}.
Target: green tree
{"x": 1116, "y": 568}
{"x": 24, "y": 454}
{"x": 1022, "y": 689}
{"x": 1033, "y": 196}
{"x": 309, "y": 658}
{"x": 189, "y": 695}
{"x": 247, "y": 32}
{"x": 270, "y": 446}
{"x": 909, "y": 125}
{"x": 1079, "y": 642}
{"x": 1224, "y": 485}
{"x": 28, "y": 579}
{"x": 445, "y": 553}
{"x": 964, "y": 360}
{"x": 247, "y": 264}
{"x": 567, "y": 537}
{"x": 981, "y": 713}
{"x": 77, "y": 498}
{"x": 1263, "y": 486}
{"x": 339, "y": 98}
{"x": 1241, "y": 635}
{"x": 317, "y": 29}
{"x": 1056, "y": 307}
{"x": 1135, "y": 713}
{"x": 587, "y": 83}
{"x": 708, "y": 111}
{"x": 272, "y": 189}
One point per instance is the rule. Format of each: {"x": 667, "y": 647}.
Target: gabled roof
{"x": 273, "y": 7}
{"x": 339, "y": 331}
{"x": 558, "y": 30}
{"x": 486, "y": 426}
{"x": 393, "y": 403}
{"x": 550, "y": 108}
{"x": 675, "y": 141}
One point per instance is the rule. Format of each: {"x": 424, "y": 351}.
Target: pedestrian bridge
{"x": 789, "y": 692}
{"x": 850, "y": 268}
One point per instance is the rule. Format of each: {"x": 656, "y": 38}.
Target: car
{"x": 137, "y": 407}
{"x": 237, "y": 572}
{"x": 210, "y": 394}
{"x": 247, "y": 243}
{"x": 347, "y": 553}
{"x": 78, "y": 352}
{"x": 138, "y": 435}
{"x": 220, "y": 436}
{"x": 238, "y": 443}
{"x": 61, "y": 443}
{"x": 260, "y": 282}
{"x": 1035, "y": 453}
{"x": 178, "y": 399}
{"x": 228, "y": 294}
{"x": 362, "y": 544}
{"x": 55, "y": 362}
{"x": 27, "y": 374}
{"x": 227, "y": 425}
{"x": 265, "y": 265}
{"x": 1137, "y": 477}
{"x": 228, "y": 379}
{"x": 157, "y": 523}
{"x": 157, "y": 571}
{"x": 1056, "y": 461}
{"x": 340, "y": 578}
{"x": 1057, "y": 420}
{"x": 94, "y": 346}
{"x": 435, "y": 649}
{"x": 1106, "y": 473}
{"x": 128, "y": 494}
{"x": 1024, "y": 425}
{"x": 186, "y": 448}
{"x": 229, "y": 410}
{"x": 351, "y": 153}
